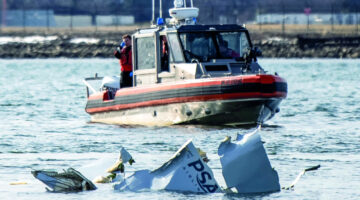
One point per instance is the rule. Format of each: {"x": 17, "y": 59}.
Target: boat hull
{"x": 238, "y": 100}
{"x": 228, "y": 112}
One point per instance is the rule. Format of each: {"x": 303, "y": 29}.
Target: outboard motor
{"x": 110, "y": 84}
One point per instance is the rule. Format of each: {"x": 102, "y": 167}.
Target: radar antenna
{"x": 182, "y": 14}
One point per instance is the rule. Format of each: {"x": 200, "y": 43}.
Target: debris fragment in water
{"x": 245, "y": 168}
{"x": 245, "y": 165}
{"x": 19, "y": 183}
{"x": 203, "y": 155}
{"x": 185, "y": 171}
{"x": 68, "y": 181}
{"x": 124, "y": 158}
{"x": 299, "y": 176}
{"x": 117, "y": 168}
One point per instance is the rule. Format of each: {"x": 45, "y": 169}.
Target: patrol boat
{"x": 185, "y": 73}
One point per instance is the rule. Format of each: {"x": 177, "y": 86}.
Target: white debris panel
{"x": 185, "y": 171}
{"x": 245, "y": 168}
{"x": 245, "y": 165}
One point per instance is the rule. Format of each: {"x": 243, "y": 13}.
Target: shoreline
{"x": 272, "y": 45}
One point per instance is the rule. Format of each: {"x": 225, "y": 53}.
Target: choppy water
{"x": 44, "y": 126}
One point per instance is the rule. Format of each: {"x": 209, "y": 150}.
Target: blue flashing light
{"x": 160, "y": 21}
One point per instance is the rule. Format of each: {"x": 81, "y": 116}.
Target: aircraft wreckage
{"x": 245, "y": 167}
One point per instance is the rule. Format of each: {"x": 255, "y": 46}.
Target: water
{"x": 44, "y": 126}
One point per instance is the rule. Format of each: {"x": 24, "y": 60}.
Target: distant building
{"x": 28, "y": 18}
{"x": 100, "y": 20}
{"x": 44, "y": 18}
{"x": 314, "y": 18}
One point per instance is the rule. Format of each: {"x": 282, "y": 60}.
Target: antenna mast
{"x": 160, "y": 2}
{"x": 153, "y": 12}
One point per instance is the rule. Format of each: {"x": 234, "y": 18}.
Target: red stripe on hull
{"x": 187, "y": 99}
{"x": 263, "y": 79}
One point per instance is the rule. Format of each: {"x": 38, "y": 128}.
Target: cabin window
{"x": 198, "y": 46}
{"x": 145, "y": 53}
{"x": 176, "y": 52}
{"x": 244, "y": 44}
{"x": 203, "y": 46}
{"x": 236, "y": 41}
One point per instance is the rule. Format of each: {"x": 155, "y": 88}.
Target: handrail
{"x": 88, "y": 85}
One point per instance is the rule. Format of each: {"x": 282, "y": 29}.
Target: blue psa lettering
{"x": 204, "y": 177}
{"x": 203, "y": 180}
{"x": 198, "y": 166}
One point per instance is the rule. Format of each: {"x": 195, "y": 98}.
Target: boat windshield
{"x": 214, "y": 45}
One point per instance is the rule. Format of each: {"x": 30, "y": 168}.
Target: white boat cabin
{"x": 171, "y": 53}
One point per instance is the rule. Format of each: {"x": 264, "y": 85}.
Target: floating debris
{"x": 299, "y": 176}
{"x": 245, "y": 165}
{"x": 68, "y": 181}
{"x": 19, "y": 183}
{"x": 123, "y": 158}
{"x": 245, "y": 168}
{"x": 185, "y": 171}
{"x": 116, "y": 169}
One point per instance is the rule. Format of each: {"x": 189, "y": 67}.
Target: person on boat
{"x": 164, "y": 54}
{"x": 124, "y": 54}
{"x": 226, "y": 52}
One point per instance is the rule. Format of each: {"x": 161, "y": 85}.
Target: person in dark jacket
{"x": 124, "y": 54}
{"x": 164, "y": 54}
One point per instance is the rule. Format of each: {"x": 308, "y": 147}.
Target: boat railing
{"x": 92, "y": 83}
